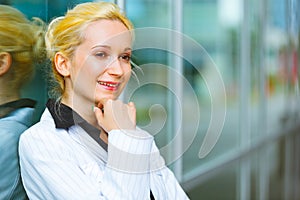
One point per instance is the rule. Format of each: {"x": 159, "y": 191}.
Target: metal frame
{"x": 245, "y": 90}
{"x": 177, "y": 64}
{"x": 262, "y": 176}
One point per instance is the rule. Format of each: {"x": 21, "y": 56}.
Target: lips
{"x": 109, "y": 85}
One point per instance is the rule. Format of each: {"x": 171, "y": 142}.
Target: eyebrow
{"x": 100, "y": 45}
{"x": 128, "y": 49}
{"x": 108, "y": 47}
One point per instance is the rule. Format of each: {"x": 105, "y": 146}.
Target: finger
{"x": 132, "y": 112}
{"x": 99, "y": 114}
{"x": 101, "y": 103}
{"x": 131, "y": 105}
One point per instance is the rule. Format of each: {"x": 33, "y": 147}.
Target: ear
{"x": 62, "y": 64}
{"x": 5, "y": 62}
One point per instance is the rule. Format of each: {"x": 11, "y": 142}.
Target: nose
{"x": 114, "y": 68}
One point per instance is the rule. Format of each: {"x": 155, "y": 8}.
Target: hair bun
{"x": 38, "y": 32}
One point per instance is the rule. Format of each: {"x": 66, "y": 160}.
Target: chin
{"x": 110, "y": 96}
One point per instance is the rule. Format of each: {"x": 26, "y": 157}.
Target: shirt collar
{"x": 21, "y": 103}
{"x": 7, "y": 108}
{"x": 64, "y": 116}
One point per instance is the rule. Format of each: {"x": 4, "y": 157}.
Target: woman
{"x": 76, "y": 152}
{"x": 21, "y": 45}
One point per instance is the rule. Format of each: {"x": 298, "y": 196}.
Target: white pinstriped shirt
{"x": 68, "y": 164}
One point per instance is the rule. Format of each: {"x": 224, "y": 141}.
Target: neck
{"x": 83, "y": 108}
{"x": 6, "y": 97}
{"x": 8, "y": 90}
{"x": 104, "y": 136}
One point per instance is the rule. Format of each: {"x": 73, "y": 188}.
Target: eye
{"x": 126, "y": 57}
{"x": 101, "y": 54}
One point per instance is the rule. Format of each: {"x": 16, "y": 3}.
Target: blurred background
{"x": 218, "y": 87}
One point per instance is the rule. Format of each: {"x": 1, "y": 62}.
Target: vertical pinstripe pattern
{"x": 56, "y": 164}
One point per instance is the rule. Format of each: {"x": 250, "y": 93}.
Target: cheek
{"x": 85, "y": 76}
{"x": 78, "y": 65}
{"x": 127, "y": 74}
{"x": 92, "y": 69}
{"x": 88, "y": 64}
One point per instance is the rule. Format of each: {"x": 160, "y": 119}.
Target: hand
{"x": 114, "y": 114}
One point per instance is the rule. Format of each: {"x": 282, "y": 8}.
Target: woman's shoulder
{"x": 44, "y": 129}
{"x": 43, "y": 138}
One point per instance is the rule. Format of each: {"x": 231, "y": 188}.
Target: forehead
{"x": 109, "y": 32}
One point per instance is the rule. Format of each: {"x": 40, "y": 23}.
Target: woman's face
{"x": 101, "y": 66}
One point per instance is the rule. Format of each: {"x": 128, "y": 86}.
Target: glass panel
{"x": 279, "y": 85}
{"x": 46, "y": 10}
{"x": 149, "y": 13}
{"x": 222, "y": 185}
{"x": 36, "y": 89}
{"x": 149, "y": 88}
{"x": 214, "y": 25}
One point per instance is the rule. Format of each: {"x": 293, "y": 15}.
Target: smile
{"x": 109, "y": 85}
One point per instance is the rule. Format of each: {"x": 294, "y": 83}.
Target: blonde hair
{"x": 66, "y": 33}
{"x": 24, "y": 41}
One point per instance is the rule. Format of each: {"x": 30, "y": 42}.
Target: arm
{"x": 128, "y": 163}
{"x": 117, "y": 115}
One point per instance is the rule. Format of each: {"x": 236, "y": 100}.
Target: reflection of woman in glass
{"x": 21, "y": 44}
{"x": 76, "y": 152}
